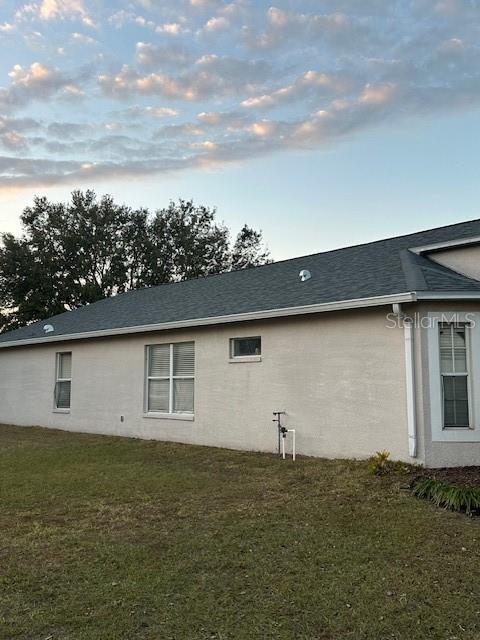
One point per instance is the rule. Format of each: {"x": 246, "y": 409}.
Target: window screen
{"x": 454, "y": 372}
{"x": 63, "y": 382}
{"x": 170, "y": 377}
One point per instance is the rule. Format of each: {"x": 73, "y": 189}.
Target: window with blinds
{"x": 454, "y": 373}
{"x": 170, "y": 377}
{"x": 63, "y": 380}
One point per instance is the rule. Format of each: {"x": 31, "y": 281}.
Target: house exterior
{"x": 370, "y": 347}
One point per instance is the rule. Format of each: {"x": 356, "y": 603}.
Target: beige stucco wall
{"x": 339, "y": 376}
{"x": 439, "y": 454}
{"x": 464, "y": 260}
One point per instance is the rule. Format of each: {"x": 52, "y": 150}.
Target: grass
{"x": 110, "y": 539}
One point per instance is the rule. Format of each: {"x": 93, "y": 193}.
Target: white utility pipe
{"x": 292, "y": 431}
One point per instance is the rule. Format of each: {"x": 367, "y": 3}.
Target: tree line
{"x": 75, "y": 253}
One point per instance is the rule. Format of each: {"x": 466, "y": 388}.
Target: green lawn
{"x": 107, "y": 539}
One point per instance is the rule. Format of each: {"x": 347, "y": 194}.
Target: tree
{"x": 248, "y": 250}
{"x": 91, "y": 248}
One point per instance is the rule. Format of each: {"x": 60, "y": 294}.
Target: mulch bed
{"x": 459, "y": 476}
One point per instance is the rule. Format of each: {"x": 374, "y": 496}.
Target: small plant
{"x": 380, "y": 464}
{"x": 449, "y": 496}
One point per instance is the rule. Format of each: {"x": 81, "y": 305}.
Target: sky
{"x": 322, "y": 122}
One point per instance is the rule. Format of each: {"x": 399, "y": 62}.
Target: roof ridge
{"x": 413, "y": 273}
{"x": 308, "y": 255}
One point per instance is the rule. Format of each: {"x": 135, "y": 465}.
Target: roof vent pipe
{"x": 304, "y": 275}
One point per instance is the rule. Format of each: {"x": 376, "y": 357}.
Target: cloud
{"x": 212, "y": 75}
{"x": 206, "y": 145}
{"x": 68, "y": 130}
{"x": 122, "y": 17}
{"x": 204, "y": 4}
{"x": 49, "y": 10}
{"x": 37, "y": 76}
{"x": 179, "y": 131}
{"x": 264, "y": 128}
{"x": 37, "y": 82}
{"x": 13, "y": 140}
{"x": 161, "y": 112}
{"x": 208, "y": 82}
{"x": 155, "y": 112}
{"x": 173, "y": 28}
{"x": 226, "y": 120}
{"x": 284, "y": 26}
{"x": 171, "y": 55}
{"x": 13, "y": 130}
{"x": 25, "y": 173}
{"x": 310, "y": 83}
{"x": 129, "y": 82}
{"x": 82, "y": 39}
{"x": 52, "y": 9}
{"x": 72, "y": 91}
{"x": 378, "y": 94}
{"x": 18, "y": 124}
{"x": 216, "y": 24}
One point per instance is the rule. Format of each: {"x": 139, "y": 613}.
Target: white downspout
{"x": 410, "y": 380}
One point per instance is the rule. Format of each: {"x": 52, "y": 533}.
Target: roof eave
{"x": 448, "y": 295}
{"x": 226, "y": 319}
{"x": 446, "y": 245}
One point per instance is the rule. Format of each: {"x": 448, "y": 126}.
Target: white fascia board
{"x": 450, "y": 244}
{"x": 238, "y": 317}
{"x": 448, "y": 295}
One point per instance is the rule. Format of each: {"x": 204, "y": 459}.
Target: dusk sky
{"x": 322, "y": 122}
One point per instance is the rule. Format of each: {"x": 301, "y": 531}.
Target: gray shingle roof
{"x": 384, "y": 267}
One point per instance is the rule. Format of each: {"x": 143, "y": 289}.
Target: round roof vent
{"x": 48, "y": 328}
{"x": 304, "y": 275}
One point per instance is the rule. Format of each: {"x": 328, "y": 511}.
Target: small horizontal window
{"x": 245, "y": 347}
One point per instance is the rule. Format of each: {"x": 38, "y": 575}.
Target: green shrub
{"x": 449, "y": 496}
{"x": 380, "y": 464}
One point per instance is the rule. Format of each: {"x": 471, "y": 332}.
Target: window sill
{"x": 466, "y": 428}
{"x": 245, "y": 359}
{"x": 61, "y": 410}
{"x": 170, "y": 416}
{"x": 456, "y": 434}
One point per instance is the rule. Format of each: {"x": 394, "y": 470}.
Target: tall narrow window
{"x": 170, "y": 377}
{"x": 454, "y": 372}
{"x": 63, "y": 383}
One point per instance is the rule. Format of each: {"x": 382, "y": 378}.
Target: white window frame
{"x": 149, "y": 413}
{"x": 439, "y": 433}
{"x": 454, "y": 374}
{"x": 57, "y": 409}
{"x": 252, "y": 358}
